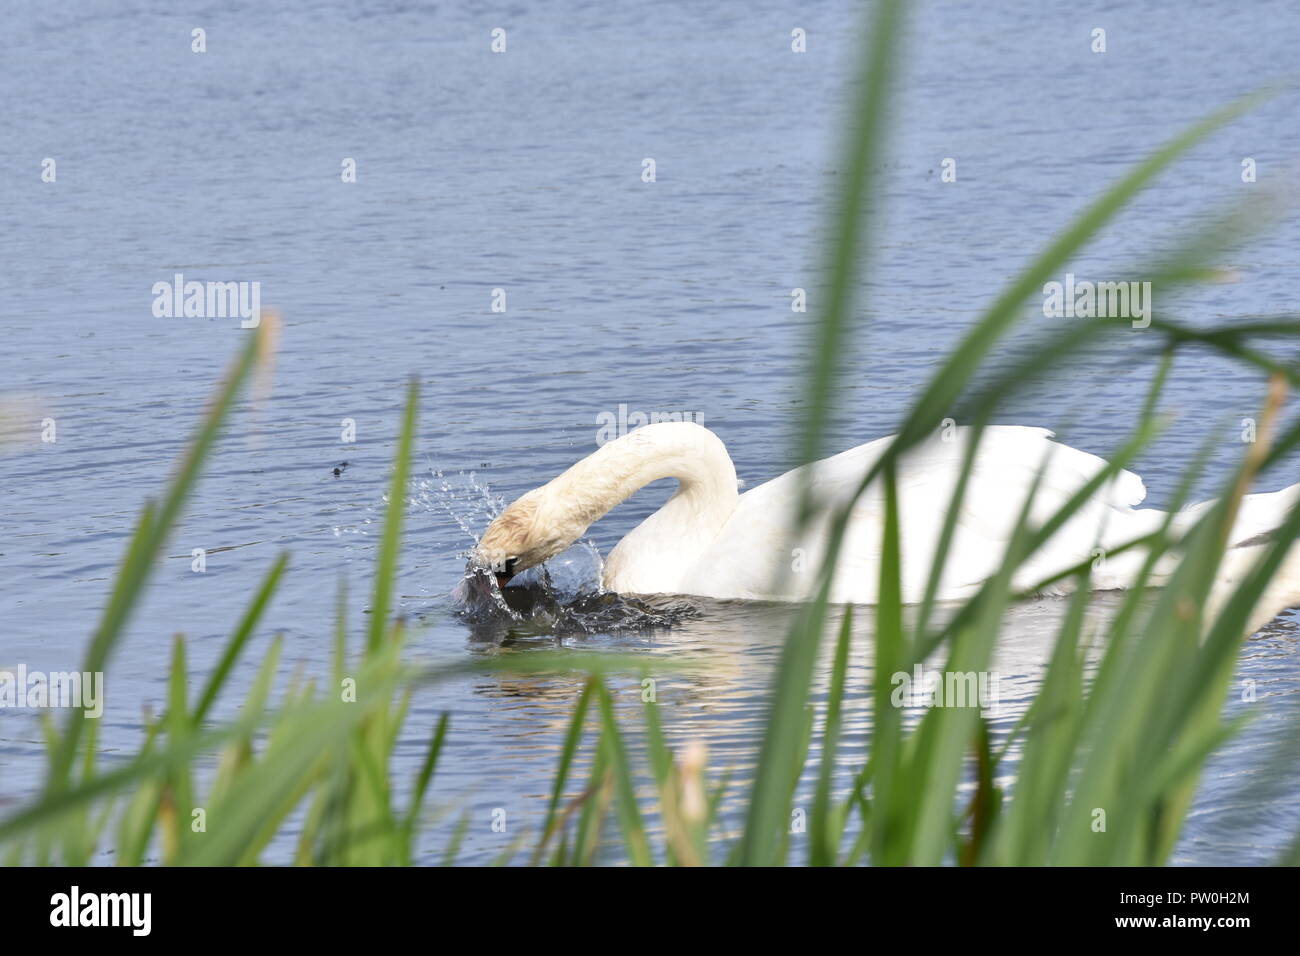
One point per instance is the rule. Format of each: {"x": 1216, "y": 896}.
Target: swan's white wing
{"x": 755, "y": 548}
{"x": 1011, "y": 464}
{"x": 756, "y": 556}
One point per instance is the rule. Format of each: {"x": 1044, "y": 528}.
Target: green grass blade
{"x": 390, "y": 545}
{"x": 242, "y": 633}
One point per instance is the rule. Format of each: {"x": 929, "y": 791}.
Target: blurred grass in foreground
{"x": 1130, "y": 738}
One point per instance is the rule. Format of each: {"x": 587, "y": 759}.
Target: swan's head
{"x": 521, "y": 537}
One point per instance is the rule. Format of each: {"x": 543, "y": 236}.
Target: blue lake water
{"x": 521, "y": 171}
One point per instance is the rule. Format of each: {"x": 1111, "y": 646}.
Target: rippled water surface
{"x": 522, "y": 171}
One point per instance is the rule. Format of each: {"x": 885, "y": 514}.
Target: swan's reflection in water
{"x": 712, "y": 665}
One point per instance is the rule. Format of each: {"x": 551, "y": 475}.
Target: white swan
{"x": 710, "y": 540}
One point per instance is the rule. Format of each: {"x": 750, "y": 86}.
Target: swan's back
{"x": 756, "y": 549}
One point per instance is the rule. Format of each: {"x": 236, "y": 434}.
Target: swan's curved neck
{"x": 618, "y": 469}
{"x": 685, "y": 525}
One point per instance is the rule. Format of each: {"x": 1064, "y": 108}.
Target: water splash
{"x": 561, "y": 598}
{"x": 564, "y": 597}
{"x": 464, "y": 500}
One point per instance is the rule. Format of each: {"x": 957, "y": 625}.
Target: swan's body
{"x": 709, "y": 540}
